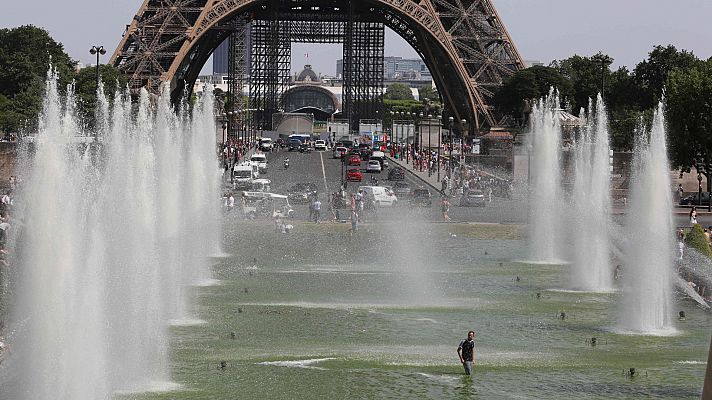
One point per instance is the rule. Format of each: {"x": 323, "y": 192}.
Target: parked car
{"x": 263, "y": 204}
{"x": 693, "y": 199}
{"x": 473, "y": 198}
{"x": 382, "y": 196}
{"x": 396, "y": 174}
{"x": 373, "y": 166}
{"x": 401, "y": 189}
{"x": 354, "y": 175}
{"x": 420, "y": 197}
{"x": 340, "y": 152}
{"x": 354, "y": 160}
{"x": 320, "y": 145}
{"x": 302, "y": 192}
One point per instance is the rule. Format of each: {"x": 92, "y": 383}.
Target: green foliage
{"x": 25, "y": 55}
{"x": 586, "y": 75}
{"x": 85, "y": 88}
{"x": 529, "y": 84}
{"x": 689, "y": 116}
{"x": 398, "y": 91}
{"x": 429, "y": 93}
{"x": 651, "y": 75}
{"x": 696, "y": 240}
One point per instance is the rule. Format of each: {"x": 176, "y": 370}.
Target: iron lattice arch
{"x": 463, "y": 42}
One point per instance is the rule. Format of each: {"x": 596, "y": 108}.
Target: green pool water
{"x": 319, "y": 314}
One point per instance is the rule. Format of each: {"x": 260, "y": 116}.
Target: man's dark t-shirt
{"x": 467, "y": 347}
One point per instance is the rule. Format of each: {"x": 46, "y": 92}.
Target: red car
{"x": 355, "y": 160}
{"x": 354, "y": 175}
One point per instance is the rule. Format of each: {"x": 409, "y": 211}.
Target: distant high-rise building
{"x": 398, "y": 68}
{"x": 221, "y": 55}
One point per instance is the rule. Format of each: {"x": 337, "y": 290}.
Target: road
{"x": 323, "y": 170}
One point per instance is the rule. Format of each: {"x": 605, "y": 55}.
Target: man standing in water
{"x": 466, "y": 352}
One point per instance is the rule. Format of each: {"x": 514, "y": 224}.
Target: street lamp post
{"x": 699, "y": 187}
{"x": 98, "y": 50}
{"x": 420, "y": 141}
{"x": 440, "y": 117}
{"x": 449, "y": 163}
{"x": 430, "y": 153}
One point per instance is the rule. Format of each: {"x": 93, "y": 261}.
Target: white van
{"x": 243, "y": 175}
{"x": 260, "y": 160}
{"x": 381, "y": 195}
{"x": 381, "y": 157}
{"x": 266, "y": 144}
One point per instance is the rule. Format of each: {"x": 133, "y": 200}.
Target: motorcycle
{"x": 286, "y": 163}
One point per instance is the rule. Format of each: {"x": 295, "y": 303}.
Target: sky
{"x": 542, "y": 30}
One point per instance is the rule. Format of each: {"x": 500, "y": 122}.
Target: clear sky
{"x": 543, "y": 30}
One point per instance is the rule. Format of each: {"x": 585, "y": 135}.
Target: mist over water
{"x": 649, "y": 261}
{"x": 114, "y": 236}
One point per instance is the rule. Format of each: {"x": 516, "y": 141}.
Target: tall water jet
{"x": 102, "y": 267}
{"x": 648, "y": 267}
{"x": 591, "y": 269}
{"x": 545, "y": 214}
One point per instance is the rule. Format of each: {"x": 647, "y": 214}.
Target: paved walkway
{"x": 423, "y": 177}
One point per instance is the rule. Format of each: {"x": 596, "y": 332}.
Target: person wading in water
{"x": 466, "y": 352}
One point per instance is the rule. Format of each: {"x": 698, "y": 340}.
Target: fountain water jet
{"x": 592, "y": 205}
{"x": 545, "y": 212}
{"x": 649, "y": 261}
{"x": 102, "y": 267}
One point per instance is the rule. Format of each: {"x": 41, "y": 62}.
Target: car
{"x": 382, "y": 196}
{"x": 420, "y": 197}
{"x": 302, "y": 192}
{"x": 473, "y": 198}
{"x": 320, "y": 145}
{"x": 305, "y": 148}
{"x": 364, "y": 151}
{"x": 373, "y": 166}
{"x": 396, "y": 174}
{"x": 294, "y": 144}
{"x": 266, "y": 144}
{"x": 354, "y": 160}
{"x": 354, "y": 175}
{"x": 693, "y": 199}
{"x": 381, "y": 157}
{"x": 340, "y": 152}
{"x": 260, "y": 160}
{"x": 263, "y": 204}
{"x": 401, "y": 189}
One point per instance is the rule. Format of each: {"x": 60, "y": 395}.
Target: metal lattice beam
{"x": 237, "y": 77}
{"x": 464, "y": 42}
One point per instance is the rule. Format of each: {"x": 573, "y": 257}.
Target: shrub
{"x": 696, "y": 240}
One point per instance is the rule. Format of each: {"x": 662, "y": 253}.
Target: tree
{"x": 689, "y": 117}
{"x": 586, "y": 75}
{"x": 398, "y": 91}
{"x": 85, "y": 88}
{"x": 652, "y": 74}
{"x": 532, "y": 83}
{"x": 25, "y": 56}
{"x": 428, "y": 92}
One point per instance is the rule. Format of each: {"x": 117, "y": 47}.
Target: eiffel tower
{"x": 464, "y": 43}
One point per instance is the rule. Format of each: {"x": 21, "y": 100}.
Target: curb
{"x": 406, "y": 169}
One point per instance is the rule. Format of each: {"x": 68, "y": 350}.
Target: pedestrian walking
{"x": 466, "y": 352}
{"x": 317, "y": 210}
{"x": 693, "y": 216}
{"x": 445, "y": 208}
